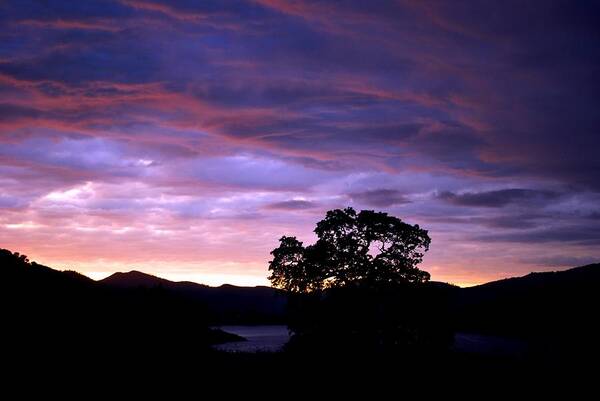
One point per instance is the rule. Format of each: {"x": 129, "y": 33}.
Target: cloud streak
{"x": 498, "y": 198}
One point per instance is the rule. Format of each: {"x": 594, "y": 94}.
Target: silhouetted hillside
{"x": 45, "y": 310}
{"x": 136, "y": 312}
{"x": 224, "y": 304}
{"x": 554, "y": 309}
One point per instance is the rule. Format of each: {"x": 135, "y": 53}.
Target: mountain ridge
{"x": 139, "y": 278}
{"x": 525, "y": 305}
{"x": 136, "y": 278}
{"x": 226, "y": 303}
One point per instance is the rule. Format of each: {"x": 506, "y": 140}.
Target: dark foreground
{"x": 282, "y": 375}
{"x": 68, "y": 329}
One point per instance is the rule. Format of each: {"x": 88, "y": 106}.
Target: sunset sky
{"x": 183, "y": 138}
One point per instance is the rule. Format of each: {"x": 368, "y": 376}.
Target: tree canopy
{"x": 353, "y": 249}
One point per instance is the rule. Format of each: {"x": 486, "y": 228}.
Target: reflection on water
{"x": 259, "y": 338}
{"x": 273, "y": 338}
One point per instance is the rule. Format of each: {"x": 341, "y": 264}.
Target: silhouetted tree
{"x": 358, "y": 287}
{"x": 365, "y": 249}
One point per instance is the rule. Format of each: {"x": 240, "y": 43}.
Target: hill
{"x": 224, "y": 304}
{"x": 134, "y": 279}
{"x": 553, "y": 310}
{"x": 550, "y": 309}
{"x": 46, "y": 310}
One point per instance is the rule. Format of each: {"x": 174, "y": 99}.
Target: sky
{"x": 184, "y": 138}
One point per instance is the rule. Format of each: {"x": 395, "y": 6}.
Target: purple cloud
{"x": 291, "y": 205}
{"x": 380, "y": 197}
{"x": 498, "y": 198}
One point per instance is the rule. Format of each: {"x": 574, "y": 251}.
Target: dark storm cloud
{"x": 498, "y": 198}
{"x": 380, "y": 197}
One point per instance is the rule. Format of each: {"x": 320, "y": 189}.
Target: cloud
{"x": 562, "y": 261}
{"x": 73, "y": 24}
{"x": 498, "y": 198}
{"x": 10, "y": 202}
{"x": 518, "y": 221}
{"x": 291, "y": 205}
{"x": 380, "y": 197}
{"x": 583, "y": 234}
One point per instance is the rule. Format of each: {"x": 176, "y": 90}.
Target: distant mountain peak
{"x": 134, "y": 278}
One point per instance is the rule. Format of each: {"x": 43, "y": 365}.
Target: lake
{"x": 273, "y": 338}
{"x": 259, "y": 338}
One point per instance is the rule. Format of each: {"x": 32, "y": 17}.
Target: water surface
{"x": 259, "y": 338}
{"x": 272, "y": 339}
